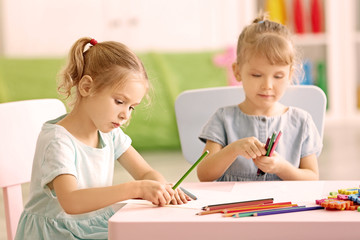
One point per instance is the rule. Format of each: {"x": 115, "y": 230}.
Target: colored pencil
{"x": 251, "y": 213}
{"x": 237, "y": 204}
{"x": 253, "y": 210}
{"x": 259, "y": 171}
{"x": 245, "y": 213}
{"x": 265, "y": 206}
{"x": 192, "y": 196}
{"x": 270, "y": 144}
{"x": 275, "y": 144}
{"x": 190, "y": 169}
{"x": 281, "y": 211}
{"x": 270, "y": 147}
{"x": 246, "y": 208}
{"x": 267, "y": 143}
{"x": 209, "y": 212}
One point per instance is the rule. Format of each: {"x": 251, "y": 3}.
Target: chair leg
{"x": 13, "y": 208}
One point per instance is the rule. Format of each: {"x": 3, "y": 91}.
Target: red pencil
{"x": 237, "y": 204}
{"x": 260, "y": 207}
{"x": 273, "y": 208}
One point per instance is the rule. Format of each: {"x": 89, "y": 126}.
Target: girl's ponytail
{"x": 74, "y": 69}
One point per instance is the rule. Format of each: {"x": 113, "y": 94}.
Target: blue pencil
{"x": 192, "y": 196}
{"x": 295, "y": 209}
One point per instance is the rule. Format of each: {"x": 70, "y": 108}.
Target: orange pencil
{"x": 230, "y": 214}
{"x": 251, "y": 207}
{"x": 256, "y": 206}
{"x": 237, "y": 204}
{"x": 222, "y": 210}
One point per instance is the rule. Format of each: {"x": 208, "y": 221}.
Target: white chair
{"x": 20, "y": 124}
{"x": 193, "y": 108}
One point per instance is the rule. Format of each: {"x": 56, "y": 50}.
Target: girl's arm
{"x": 308, "y": 169}
{"x": 220, "y": 159}
{"x": 150, "y": 186}
{"x": 77, "y": 201}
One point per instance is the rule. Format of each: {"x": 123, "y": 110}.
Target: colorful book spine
{"x": 298, "y": 9}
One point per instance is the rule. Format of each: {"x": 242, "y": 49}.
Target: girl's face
{"x": 264, "y": 84}
{"x": 110, "y": 108}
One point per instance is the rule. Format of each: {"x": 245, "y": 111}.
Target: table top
{"x": 139, "y": 219}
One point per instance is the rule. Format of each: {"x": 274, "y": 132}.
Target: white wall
{"x": 49, "y": 27}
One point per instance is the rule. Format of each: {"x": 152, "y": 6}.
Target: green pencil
{"x": 191, "y": 168}
{"x": 270, "y": 144}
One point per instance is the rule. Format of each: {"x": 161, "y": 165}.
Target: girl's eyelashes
{"x": 256, "y": 75}
{"x": 118, "y": 102}
{"x": 279, "y": 76}
{"x": 259, "y": 75}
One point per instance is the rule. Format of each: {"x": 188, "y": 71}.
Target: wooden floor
{"x": 340, "y": 160}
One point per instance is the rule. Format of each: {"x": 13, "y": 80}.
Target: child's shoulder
{"x": 298, "y": 112}
{"x": 228, "y": 109}
{"x": 299, "y": 115}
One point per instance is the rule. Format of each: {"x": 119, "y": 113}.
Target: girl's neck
{"x": 275, "y": 110}
{"x": 81, "y": 128}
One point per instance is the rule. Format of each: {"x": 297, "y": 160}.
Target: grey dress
{"x": 300, "y": 138}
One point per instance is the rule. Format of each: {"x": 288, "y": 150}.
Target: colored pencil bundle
{"x": 270, "y": 146}
{"x": 254, "y": 208}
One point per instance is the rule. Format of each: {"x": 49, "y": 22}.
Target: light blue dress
{"x": 58, "y": 152}
{"x": 300, "y": 138}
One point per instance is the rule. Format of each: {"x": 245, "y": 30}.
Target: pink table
{"x": 141, "y": 220}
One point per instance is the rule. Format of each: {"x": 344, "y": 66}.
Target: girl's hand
{"x": 180, "y": 197}
{"x": 249, "y": 147}
{"x": 158, "y": 193}
{"x": 269, "y": 164}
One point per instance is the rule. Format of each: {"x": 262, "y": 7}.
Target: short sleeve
{"x": 59, "y": 158}
{"x": 312, "y": 143}
{"x": 121, "y": 142}
{"x": 214, "y": 129}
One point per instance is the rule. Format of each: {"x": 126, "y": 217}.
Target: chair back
{"x": 20, "y": 125}
{"x": 193, "y": 108}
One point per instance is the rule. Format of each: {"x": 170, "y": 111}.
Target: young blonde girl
{"x": 71, "y": 190}
{"x": 235, "y": 135}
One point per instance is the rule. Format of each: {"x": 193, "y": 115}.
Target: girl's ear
{"x": 236, "y": 71}
{"x": 85, "y": 86}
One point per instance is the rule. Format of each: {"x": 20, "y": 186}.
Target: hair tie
{"x": 261, "y": 22}
{"x": 93, "y": 42}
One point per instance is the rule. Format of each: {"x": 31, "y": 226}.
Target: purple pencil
{"x": 259, "y": 171}
{"x": 296, "y": 209}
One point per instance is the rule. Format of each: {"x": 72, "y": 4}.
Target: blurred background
{"x": 184, "y": 45}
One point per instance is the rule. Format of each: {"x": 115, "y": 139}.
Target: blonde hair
{"x": 271, "y": 40}
{"x": 107, "y": 63}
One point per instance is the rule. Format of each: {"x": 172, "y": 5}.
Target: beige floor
{"x": 339, "y": 161}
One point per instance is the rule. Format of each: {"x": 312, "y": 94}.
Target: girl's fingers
{"x": 183, "y": 197}
{"x": 177, "y": 199}
{"x": 168, "y": 197}
{"x": 261, "y": 148}
{"x": 251, "y": 153}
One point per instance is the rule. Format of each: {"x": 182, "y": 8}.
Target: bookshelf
{"x": 339, "y": 47}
